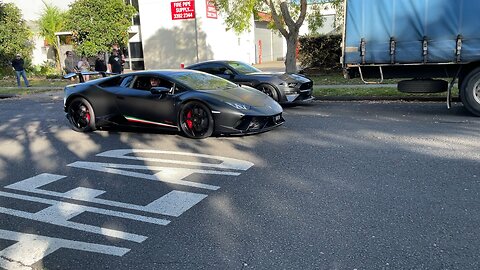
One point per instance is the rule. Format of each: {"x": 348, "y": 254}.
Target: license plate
{"x": 277, "y": 118}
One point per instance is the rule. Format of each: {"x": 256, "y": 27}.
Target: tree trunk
{"x": 58, "y": 66}
{"x": 291, "y": 56}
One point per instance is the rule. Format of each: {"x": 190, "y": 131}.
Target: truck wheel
{"x": 422, "y": 86}
{"x": 470, "y": 92}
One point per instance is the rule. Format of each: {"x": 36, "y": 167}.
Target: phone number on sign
{"x": 183, "y": 16}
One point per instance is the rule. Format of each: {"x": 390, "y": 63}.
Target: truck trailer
{"x": 432, "y": 44}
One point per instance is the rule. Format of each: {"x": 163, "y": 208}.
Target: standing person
{"x": 70, "y": 66}
{"x": 115, "y": 63}
{"x": 120, "y": 54}
{"x": 100, "y": 65}
{"x": 18, "y": 65}
{"x": 84, "y": 66}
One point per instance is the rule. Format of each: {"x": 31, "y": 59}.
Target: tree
{"x": 14, "y": 35}
{"x": 97, "y": 25}
{"x": 288, "y": 17}
{"x": 51, "y": 21}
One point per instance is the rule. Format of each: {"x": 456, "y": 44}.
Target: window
{"x": 201, "y": 81}
{"x": 147, "y": 82}
{"x": 116, "y": 81}
{"x": 138, "y": 65}
{"x": 136, "y": 50}
{"x": 243, "y": 68}
{"x": 216, "y": 69}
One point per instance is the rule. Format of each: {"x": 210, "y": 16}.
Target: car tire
{"x": 196, "y": 120}
{"x": 470, "y": 92}
{"x": 268, "y": 90}
{"x": 81, "y": 115}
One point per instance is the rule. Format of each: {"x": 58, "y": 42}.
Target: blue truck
{"x": 431, "y": 43}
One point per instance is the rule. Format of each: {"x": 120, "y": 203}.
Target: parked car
{"x": 195, "y": 103}
{"x": 282, "y": 87}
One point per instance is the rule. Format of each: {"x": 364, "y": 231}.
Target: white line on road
{"x": 172, "y": 204}
{"x": 31, "y": 248}
{"x": 60, "y": 212}
{"x": 166, "y": 174}
{"x": 227, "y": 163}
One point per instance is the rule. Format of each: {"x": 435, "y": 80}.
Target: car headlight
{"x": 289, "y": 84}
{"x": 239, "y": 106}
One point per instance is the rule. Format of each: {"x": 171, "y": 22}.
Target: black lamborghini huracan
{"x": 194, "y": 102}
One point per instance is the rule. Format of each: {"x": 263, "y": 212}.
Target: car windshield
{"x": 202, "y": 81}
{"x": 243, "y": 68}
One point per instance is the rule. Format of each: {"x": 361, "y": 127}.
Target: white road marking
{"x": 60, "y": 212}
{"x": 31, "y": 248}
{"x": 175, "y": 203}
{"x": 227, "y": 163}
{"x": 166, "y": 174}
{"x": 172, "y": 204}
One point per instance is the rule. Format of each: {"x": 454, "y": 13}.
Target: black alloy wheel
{"x": 81, "y": 115}
{"x": 196, "y": 120}
{"x": 268, "y": 90}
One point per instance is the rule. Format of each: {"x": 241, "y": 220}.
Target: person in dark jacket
{"x": 18, "y": 65}
{"x": 100, "y": 64}
{"x": 115, "y": 63}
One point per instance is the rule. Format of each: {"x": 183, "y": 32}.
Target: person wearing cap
{"x": 18, "y": 66}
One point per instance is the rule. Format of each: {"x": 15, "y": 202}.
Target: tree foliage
{"x": 15, "y": 36}
{"x": 52, "y": 20}
{"x": 287, "y": 15}
{"x": 97, "y": 25}
{"x": 320, "y": 52}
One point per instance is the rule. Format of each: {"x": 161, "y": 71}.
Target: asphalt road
{"x": 341, "y": 185}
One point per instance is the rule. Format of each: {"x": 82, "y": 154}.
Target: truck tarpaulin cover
{"x": 408, "y": 22}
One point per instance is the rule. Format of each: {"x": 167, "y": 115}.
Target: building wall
{"x": 169, "y": 43}
{"x": 269, "y": 44}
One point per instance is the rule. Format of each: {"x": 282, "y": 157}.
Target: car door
{"x": 141, "y": 107}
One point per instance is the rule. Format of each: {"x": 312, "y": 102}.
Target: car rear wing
{"x": 81, "y": 74}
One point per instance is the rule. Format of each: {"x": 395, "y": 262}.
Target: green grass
{"x": 338, "y": 79}
{"x": 37, "y": 82}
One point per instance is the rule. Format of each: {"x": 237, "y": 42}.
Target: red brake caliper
{"x": 86, "y": 113}
{"x": 188, "y": 121}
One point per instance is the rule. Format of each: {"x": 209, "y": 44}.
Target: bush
{"x": 46, "y": 69}
{"x": 320, "y": 52}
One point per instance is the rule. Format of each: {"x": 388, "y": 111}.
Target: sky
{"x": 32, "y": 9}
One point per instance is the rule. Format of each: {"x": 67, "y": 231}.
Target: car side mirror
{"x": 228, "y": 72}
{"x": 159, "y": 90}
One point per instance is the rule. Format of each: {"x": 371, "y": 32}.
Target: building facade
{"x": 173, "y": 33}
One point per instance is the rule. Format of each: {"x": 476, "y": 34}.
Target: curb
{"x": 392, "y": 98}
{"x": 7, "y": 96}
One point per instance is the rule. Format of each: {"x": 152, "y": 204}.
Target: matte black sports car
{"x": 282, "y": 87}
{"x": 196, "y": 103}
